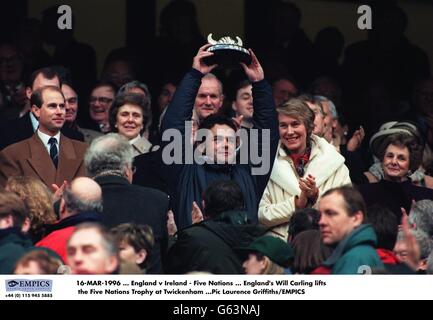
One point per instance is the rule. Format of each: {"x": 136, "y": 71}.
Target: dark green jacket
{"x": 208, "y": 246}
{"x": 355, "y": 253}
{"x": 13, "y": 245}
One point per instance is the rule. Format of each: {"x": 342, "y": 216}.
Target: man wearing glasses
{"x": 100, "y": 102}
{"x": 71, "y": 106}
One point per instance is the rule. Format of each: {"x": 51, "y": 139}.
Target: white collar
{"x": 134, "y": 140}
{"x": 35, "y": 122}
{"x": 45, "y": 137}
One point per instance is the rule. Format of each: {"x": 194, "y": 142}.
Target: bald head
{"x": 82, "y": 195}
{"x": 86, "y": 189}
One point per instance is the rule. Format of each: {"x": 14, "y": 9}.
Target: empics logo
{"x": 40, "y": 285}
{"x": 11, "y": 283}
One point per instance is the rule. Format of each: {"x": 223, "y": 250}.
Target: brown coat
{"x": 30, "y": 158}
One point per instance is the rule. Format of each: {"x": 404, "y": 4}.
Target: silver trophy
{"x": 227, "y": 52}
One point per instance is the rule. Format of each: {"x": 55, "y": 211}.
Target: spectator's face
{"x": 87, "y": 254}
{"x": 41, "y": 81}
{"x": 395, "y": 163}
{"x": 127, "y": 253}
{"x": 293, "y": 134}
{"x": 400, "y": 250}
{"x": 319, "y": 125}
{"x": 119, "y": 72}
{"x": 282, "y": 91}
{"x": 243, "y": 105}
{"x": 129, "y": 121}
{"x": 335, "y": 224}
{"x": 11, "y": 66}
{"x": 221, "y": 144}
{"x": 166, "y": 95}
{"x": 254, "y": 266}
{"x": 71, "y": 103}
{"x": 328, "y": 121}
{"x": 100, "y": 103}
{"x": 209, "y": 98}
{"x": 51, "y": 114}
{"x": 424, "y": 98}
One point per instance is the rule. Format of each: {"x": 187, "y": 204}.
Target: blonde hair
{"x": 272, "y": 267}
{"x": 37, "y": 198}
{"x": 298, "y": 109}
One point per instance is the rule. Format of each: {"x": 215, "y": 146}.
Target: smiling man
{"x": 209, "y": 97}
{"x": 47, "y": 155}
{"x": 342, "y": 212}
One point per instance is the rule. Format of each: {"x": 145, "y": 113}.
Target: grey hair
{"x": 147, "y": 109}
{"x": 107, "y": 238}
{"x": 422, "y": 216}
{"x": 109, "y": 153}
{"x": 135, "y": 84}
{"x": 211, "y": 76}
{"x": 430, "y": 263}
{"x": 77, "y": 205}
{"x": 424, "y": 242}
{"x": 332, "y": 106}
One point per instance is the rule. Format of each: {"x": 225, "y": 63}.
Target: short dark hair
{"x": 403, "y": 140}
{"x": 48, "y": 73}
{"x": 129, "y": 98}
{"x": 310, "y": 251}
{"x": 106, "y": 236}
{"x": 214, "y": 119}
{"x": 353, "y": 200}
{"x": 46, "y": 263}
{"x": 385, "y": 224}
{"x": 137, "y": 236}
{"x": 36, "y": 98}
{"x": 11, "y": 204}
{"x": 222, "y": 196}
{"x": 240, "y": 85}
{"x": 302, "y": 220}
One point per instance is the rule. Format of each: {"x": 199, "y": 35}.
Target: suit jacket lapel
{"x": 68, "y": 161}
{"x": 40, "y": 161}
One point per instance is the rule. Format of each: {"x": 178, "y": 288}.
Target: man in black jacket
{"x": 208, "y": 246}
{"x": 109, "y": 162}
{"x": 188, "y": 181}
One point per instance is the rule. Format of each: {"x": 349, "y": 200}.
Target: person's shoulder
{"x": 80, "y": 145}
{"x": 13, "y": 148}
{"x": 157, "y": 194}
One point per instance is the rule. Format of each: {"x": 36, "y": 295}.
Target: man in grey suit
{"x": 47, "y": 155}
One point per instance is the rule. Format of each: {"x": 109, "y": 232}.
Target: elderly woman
{"x": 399, "y": 156}
{"x": 128, "y": 117}
{"x": 140, "y": 88}
{"x": 306, "y": 166}
{"x": 420, "y": 152}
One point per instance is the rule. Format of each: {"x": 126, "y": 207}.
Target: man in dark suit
{"x": 24, "y": 127}
{"x": 109, "y": 162}
{"x": 47, "y": 155}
